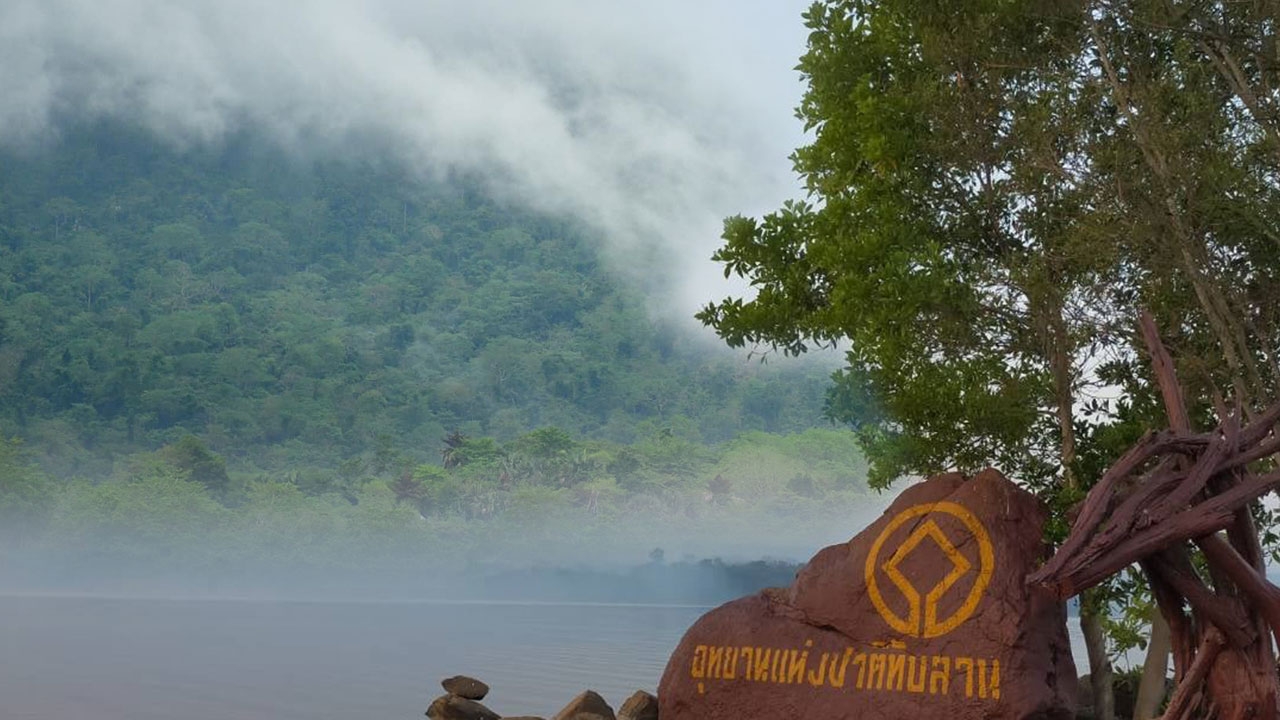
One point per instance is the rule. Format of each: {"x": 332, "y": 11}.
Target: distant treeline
{"x": 700, "y": 582}
{"x": 177, "y": 515}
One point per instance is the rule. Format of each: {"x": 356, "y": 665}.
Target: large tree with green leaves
{"x": 994, "y": 188}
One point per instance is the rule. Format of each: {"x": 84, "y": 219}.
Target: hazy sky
{"x": 651, "y": 120}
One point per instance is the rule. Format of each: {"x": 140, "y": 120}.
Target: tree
{"x": 190, "y": 456}
{"x": 408, "y": 489}
{"x": 995, "y": 189}
{"x": 26, "y": 496}
{"x": 951, "y": 244}
{"x": 548, "y": 443}
{"x": 451, "y": 454}
{"x": 461, "y": 450}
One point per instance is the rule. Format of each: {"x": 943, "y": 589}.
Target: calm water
{"x": 71, "y": 658}
{"x": 64, "y": 659}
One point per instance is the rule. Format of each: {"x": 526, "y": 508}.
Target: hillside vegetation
{"x": 218, "y": 354}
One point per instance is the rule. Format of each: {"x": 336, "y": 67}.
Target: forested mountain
{"x": 235, "y": 359}
{"x": 288, "y": 310}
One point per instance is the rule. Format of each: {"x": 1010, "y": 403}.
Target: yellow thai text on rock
{"x": 886, "y": 671}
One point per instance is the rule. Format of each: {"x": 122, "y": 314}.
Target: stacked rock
{"x": 463, "y": 694}
{"x": 461, "y": 701}
{"x": 587, "y": 706}
{"x": 640, "y": 706}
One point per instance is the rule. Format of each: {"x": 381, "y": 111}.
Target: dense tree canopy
{"x": 994, "y": 190}
{"x": 290, "y": 311}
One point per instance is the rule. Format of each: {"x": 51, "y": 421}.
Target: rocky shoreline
{"x": 463, "y": 694}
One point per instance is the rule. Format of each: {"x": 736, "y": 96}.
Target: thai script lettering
{"x": 887, "y": 670}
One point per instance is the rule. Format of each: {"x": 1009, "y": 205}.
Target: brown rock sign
{"x": 926, "y": 613}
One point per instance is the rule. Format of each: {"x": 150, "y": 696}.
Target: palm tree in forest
{"x": 451, "y": 454}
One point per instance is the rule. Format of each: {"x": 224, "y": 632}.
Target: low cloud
{"x": 650, "y": 121}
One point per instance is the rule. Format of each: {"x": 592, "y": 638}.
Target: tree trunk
{"x": 1155, "y": 671}
{"x": 1224, "y": 662}
{"x": 1100, "y": 675}
{"x": 1060, "y": 350}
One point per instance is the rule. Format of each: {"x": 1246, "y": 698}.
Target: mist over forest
{"x": 227, "y": 368}
{"x": 347, "y": 296}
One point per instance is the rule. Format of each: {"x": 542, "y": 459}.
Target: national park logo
{"x": 922, "y": 617}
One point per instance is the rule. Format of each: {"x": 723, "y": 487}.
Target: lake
{"x": 65, "y": 658}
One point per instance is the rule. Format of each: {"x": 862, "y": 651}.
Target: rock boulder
{"x": 640, "y": 706}
{"x": 587, "y": 706}
{"x": 925, "y": 613}
{"x": 466, "y": 687}
{"x": 452, "y": 707}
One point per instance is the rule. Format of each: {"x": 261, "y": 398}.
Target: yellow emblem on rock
{"x": 922, "y": 617}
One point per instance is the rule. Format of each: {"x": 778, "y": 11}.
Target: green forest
{"x": 214, "y": 355}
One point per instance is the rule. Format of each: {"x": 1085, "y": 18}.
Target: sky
{"x": 649, "y": 121}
